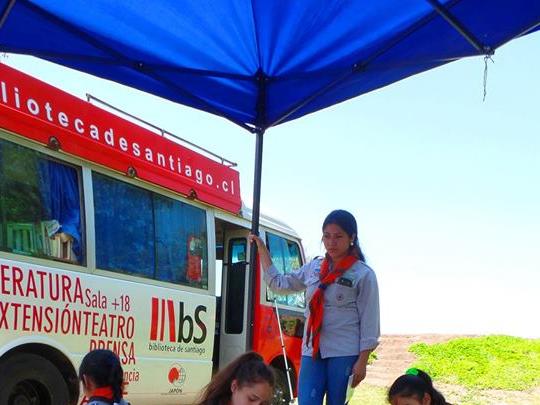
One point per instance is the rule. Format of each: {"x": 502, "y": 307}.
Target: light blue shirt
{"x": 351, "y": 320}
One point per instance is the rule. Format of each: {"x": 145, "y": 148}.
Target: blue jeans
{"x": 324, "y": 376}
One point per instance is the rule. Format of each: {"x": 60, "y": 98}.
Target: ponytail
{"x": 416, "y": 383}
{"x": 116, "y": 382}
{"x": 103, "y": 367}
{"x": 356, "y": 251}
{"x": 436, "y": 397}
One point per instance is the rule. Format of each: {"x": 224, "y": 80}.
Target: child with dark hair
{"x": 246, "y": 380}
{"x": 415, "y": 388}
{"x": 102, "y": 378}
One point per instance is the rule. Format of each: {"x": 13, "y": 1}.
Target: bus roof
{"x": 268, "y": 221}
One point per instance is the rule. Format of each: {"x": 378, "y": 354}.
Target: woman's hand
{"x": 264, "y": 254}
{"x": 359, "y": 371}
{"x": 254, "y": 238}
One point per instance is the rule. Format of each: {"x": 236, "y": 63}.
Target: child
{"x": 247, "y": 380}
{"x": 102, "y": 378}
{"x": 415, "y": 388}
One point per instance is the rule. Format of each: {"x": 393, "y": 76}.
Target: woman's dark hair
{"x": 416, "y": 383}
{"x": 247, "y": 369}
{"x": 345, "y": 220}
{"x": 103, "y": 367}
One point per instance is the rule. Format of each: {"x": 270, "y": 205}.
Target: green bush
{"x": 498, "y": 362}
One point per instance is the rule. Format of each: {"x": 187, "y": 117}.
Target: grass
{"x": 475, "y": 371}
{"x": 369, "y": 395}
{"x": 489, "y": 362}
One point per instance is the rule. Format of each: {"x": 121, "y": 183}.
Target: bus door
{"x": 233, "y": 334}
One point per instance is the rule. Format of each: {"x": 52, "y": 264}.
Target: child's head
{"x": 102, "y": 369}
{"x": 246, "y": 380}
{"x": 414, "y": 388}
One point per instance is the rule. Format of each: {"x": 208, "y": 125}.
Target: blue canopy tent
{"x": 260, "y": 63}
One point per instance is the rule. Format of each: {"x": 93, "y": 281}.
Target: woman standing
{"x": 343, "y": 313}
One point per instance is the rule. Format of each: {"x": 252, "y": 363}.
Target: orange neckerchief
{"x": 316, "y": 304}
{"x": 103, "y": 392}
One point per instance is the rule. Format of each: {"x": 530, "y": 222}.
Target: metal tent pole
{"x": 255, "y": 230}
{"x": 461, "y": 28}
{"x": 262, "y": 81}
{"x": 257, "y": 182}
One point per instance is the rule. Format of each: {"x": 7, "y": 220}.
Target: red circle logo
{"x": 177, "y": 375}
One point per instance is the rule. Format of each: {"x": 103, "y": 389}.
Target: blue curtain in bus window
{"x": 59, "y": 189}
{"x": 180, "y": 242}
{"x": 124, "y": 227}
{"x": 170, "y": 240}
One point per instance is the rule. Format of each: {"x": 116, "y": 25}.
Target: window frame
{"x": 230, "y": 326}
{"x": 264, "y": 288}
{"x": 87, "y": 220}
{"x": 47, "y": 154}
{"x": 161, "y": 193}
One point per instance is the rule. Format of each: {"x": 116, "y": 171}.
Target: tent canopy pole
{"x": 257, "y": 182}
{"x": 460, "y": 28}
{"x": 255, "y": 230}
{"x": 262, "y": 81}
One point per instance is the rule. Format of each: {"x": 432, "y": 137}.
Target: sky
{"x": 444, "y": 186}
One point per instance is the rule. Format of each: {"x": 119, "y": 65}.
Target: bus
{"x": 115, "y": 236}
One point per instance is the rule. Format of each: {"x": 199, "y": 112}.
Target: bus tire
{"x": 281, "y": 389}
{"x": 27, "y": 378}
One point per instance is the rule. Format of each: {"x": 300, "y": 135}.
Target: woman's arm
{"x": 360, "y": 367}
{"x": 279, "y": 283}
{"x": 369, "y": 313}
{"x": 264, "y": 254}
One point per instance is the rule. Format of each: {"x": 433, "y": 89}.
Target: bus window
{"x": 124, "y": 227}
{"x": 142, "y": 233}
{"x": 236, "y": 284}
{"x": 40, "y": 205}
{"x": 180, "y": 242}
{"x": 286, "y": 257}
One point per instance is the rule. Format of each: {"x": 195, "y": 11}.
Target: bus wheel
{"x": 29, "y": 379}
{"x": 281, "y": 390}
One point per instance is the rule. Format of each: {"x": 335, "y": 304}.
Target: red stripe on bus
{"x": 155, "y": 314}
{"x": 172, "y": 325}
{"x": 162, "y": 324}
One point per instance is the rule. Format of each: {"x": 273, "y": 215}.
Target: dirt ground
{"x": 393, "y": 358}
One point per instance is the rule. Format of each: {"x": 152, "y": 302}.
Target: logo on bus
{"x": 172, "y": 324}
{"x": 177, "y": 375}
